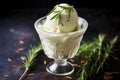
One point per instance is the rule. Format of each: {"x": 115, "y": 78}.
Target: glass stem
{"x": 61, "y": 62}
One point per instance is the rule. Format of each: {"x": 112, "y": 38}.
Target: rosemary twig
{"x": 69, "y": 9}
{"x": 93, "y": 54}
{"x": 58, "y": 13}
{"x": 24, "y": 74}
{"x": 30, "y": 59}
{"x": 96, "y": 55}
{"x": 57, "y": 16}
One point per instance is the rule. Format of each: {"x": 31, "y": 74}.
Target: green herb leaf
{"x": 58, "y": 13}
{"x": 94, "y": 54}
{"x": 69, "y": 9}
{"x": 57, "y": 16}
{"x": 30, "y": 59}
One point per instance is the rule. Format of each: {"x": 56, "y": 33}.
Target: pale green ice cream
{"x": 63, "y": 18}
{"x": 61, "y": 32}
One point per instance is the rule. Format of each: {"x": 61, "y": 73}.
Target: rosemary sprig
{"x": 57, "y": 13}
{"x": 94, "y": 54}
{"x": 57, "y": 16}
{"x": 69, "y": 9}
{"x": 30, "y": 59}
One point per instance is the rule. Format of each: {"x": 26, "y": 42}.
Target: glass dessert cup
{"x": 60, "y": 46}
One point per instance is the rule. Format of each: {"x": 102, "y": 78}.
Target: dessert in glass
{"x": 61, "y": 32}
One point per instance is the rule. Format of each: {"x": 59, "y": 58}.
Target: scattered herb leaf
{"x": 30, "y": 59}
{"x": 94, "y": 54}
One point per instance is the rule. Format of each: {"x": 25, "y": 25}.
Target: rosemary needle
{"x": 94, "y": 54}
{"x": 58, "y": 13}
{"x": 30, "y": 59}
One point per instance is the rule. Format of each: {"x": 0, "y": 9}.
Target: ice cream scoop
{"x": 63, "y": 18}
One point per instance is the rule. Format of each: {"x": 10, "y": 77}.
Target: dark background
{"x": 18, "y": 4}
{"x": 10, "y": 6}
{"x": 48, "y": 3}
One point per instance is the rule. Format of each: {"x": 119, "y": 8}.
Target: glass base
{"x": 60, "y": 68}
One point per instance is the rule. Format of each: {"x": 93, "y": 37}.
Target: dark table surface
{"x": 17, "y": 33}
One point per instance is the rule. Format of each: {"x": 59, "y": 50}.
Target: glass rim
{"x": 80, "y": 30}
